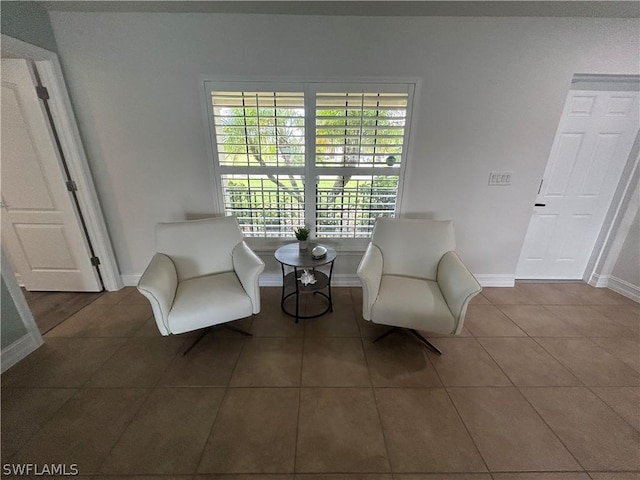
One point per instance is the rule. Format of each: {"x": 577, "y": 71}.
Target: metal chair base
{"x": 419, "y": 337}
{"x": 205, "y": 331}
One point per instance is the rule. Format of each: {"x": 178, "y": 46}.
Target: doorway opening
{"x": 40, "y": 239}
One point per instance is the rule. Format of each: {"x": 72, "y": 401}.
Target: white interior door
{"x": 589, "y": 153}
{"x": 41, "y": 230}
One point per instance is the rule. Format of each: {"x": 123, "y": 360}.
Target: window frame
{"x": 309, "y": 86}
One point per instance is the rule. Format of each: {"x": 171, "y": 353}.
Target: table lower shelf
{"x": 290, "y": 281}
{"x": 322, "y": 281}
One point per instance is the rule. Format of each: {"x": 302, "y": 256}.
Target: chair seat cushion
{"x": 412, "y": 303}
{"x": 204, "y": 301}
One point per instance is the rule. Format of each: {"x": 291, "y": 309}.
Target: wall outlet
{"x": 500, "y": 178}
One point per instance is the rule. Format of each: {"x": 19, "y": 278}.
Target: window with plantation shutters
{"x": 328, "y": 156}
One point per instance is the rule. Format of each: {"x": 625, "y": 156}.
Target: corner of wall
{"x": 29, "y": 22}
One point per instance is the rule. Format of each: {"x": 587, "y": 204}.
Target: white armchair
{"x": 412, "y": 278}
{"x": 202, "y": 275}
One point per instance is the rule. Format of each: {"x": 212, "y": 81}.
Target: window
{"x": 326, "y": 155}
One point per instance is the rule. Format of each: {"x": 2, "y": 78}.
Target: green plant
{"x": 302, "y": 233}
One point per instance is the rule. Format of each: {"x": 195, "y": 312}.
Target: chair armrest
{"x": 458, "y": 286}
{"x": 248, "y": 267}
{"x": 159, "y": 283}
{"x": 370, "y": 273}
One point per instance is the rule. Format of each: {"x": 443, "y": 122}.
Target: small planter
{"x": 302, "y": 235}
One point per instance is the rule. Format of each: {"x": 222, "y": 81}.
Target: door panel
{"x": 599, "y": 166}
{"x": 568, "y": 149}
{"x": 45, "y": 247}
{"x": 592, "y": 145}
{"x": 41, "y": 230}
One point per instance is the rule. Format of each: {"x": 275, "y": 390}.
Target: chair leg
{"x": 236, "y": 329}
{"x": 205, "y": 331}
{"x": 197, "y": 340}
{"x": 426, "y": 342}
{"x": 386, "y": 334}
{"x": 420, "y": 338}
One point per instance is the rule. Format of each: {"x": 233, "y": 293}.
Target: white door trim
{"x": 48, "y": 66}
{"x": 599, "y": 267}
{"x": 619, "y": 218}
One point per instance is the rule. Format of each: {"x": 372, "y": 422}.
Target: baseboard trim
{"x": 496, "y": 280}
{"x": 616, "y": 284}
{"x": 18, "y": 350}
{"x": 599, "y": 281}
{"x": 131, "y": 280}
{"x": 624, "y": 288}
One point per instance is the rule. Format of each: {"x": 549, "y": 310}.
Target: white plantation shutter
{"x": 259, "y": 128}
{"x": 260, "y": 150}
{"x": 360, "y": 147}
{"x": 340, "y": 147}
{"x": 360, "y": 129}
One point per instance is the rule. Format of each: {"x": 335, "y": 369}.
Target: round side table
{"x": 296, "y": 261}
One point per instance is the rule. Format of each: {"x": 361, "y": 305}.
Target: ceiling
{"x": 477, "y": 8}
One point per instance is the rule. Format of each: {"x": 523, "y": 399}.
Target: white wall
{"x": 29, "y": 22}
{"x": 492, "y": 95}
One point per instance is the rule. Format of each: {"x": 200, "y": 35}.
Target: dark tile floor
{"x": 543, "y": 383}
{"x": 50, "y": 309}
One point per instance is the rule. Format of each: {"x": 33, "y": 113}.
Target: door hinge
{"x": 71, "y": 186}
{"x": 42, "y": 93}
{"x": 95, "y": 261}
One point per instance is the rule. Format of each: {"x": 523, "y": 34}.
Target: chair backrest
{"x": 199, "y": 247}
{"x": 412, "y": 248}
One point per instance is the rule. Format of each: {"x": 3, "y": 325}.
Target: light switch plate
{"x": 500, "y": 178}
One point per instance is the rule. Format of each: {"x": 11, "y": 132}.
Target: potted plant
{"x": 302, "y": 234}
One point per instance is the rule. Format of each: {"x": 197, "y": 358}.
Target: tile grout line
{"x": 295, "y": 450}
{"x": 124, "y": 429}
{"x": 591, "y": 389}
{"x": 531, "y": 405}
{"x": 549, "y": 426}
{"x": 573, "y": 372}
{"x": 46, "y": 421}
{"x": 582, "y": 336}
{"x": 543, "y": 306}
{"x": 375, "y": 398}
{"x": 222, "y": 403}
{"x": 466, "y": 428}
{"x": 151, "y": 389}
{"x": 304, "y": 343}
{"x": 513, "y": 385}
